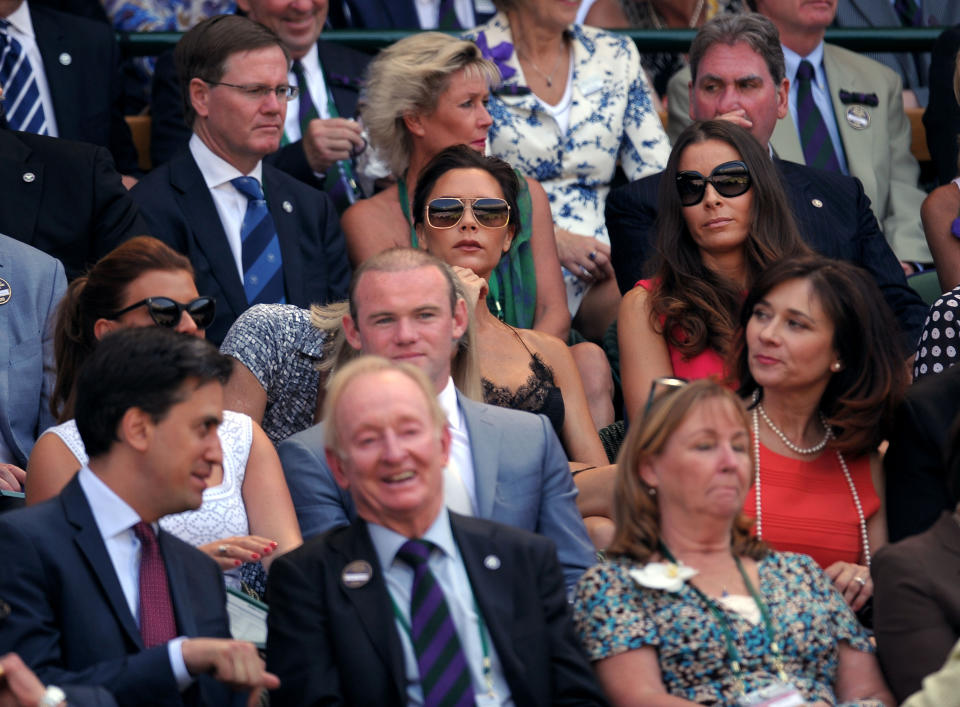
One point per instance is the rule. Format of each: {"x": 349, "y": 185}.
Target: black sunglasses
{"x": 166, "y": 312}
{"x": 446, "y": 211}
{"x": 729, "y": 179}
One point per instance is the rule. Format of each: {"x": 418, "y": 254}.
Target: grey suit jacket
{"x": 32, "y": 285}
{"x": 878, "y": 155}
{"x": 522, "y": 479}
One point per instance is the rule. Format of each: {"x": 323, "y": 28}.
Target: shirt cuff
{"x": 180, "y": 673}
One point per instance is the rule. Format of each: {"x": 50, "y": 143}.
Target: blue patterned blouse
{"x": 614, "y": 614}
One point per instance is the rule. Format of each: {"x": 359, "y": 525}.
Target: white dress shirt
{"x": 231, "y": 204}
{"x": 115, "y": 520}
{"x": 446, "y": 564}
{"x": 821, "y": 96}
{"x": 460, "y": 466}
{"x": 318, "y": 92}
{"x": 21, "y": 27}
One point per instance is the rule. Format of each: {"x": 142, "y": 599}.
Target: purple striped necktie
{"x": 447, "y": 16}
{"x": 909, "y": 12}
{"x": 817, "y": 146}
{"x": 444, "y": 673}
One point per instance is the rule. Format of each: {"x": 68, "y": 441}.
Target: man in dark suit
{"x": 253, "y": 233}
{"x": 77, "y": 77}
{"x": 64, "y": 198}
{"x": 332, "y": 75}
{"x": 508, "y": 465}
{"x": 98, "y": 597}
{"x": 410, "y": 14}
{"x": 739, "y": 75}
{"x": 411, "y": 603}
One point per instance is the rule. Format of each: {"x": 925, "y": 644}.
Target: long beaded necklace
{"x": 820, "y": 445}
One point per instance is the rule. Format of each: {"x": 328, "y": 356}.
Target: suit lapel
{"x": 88, "y": 540}
{"x": 371, "y": 601}
{"x": 288, "y": 231}
{"x": 200, "y": 213}
{"x": 857, "y": 144}
{"x": 179, "y": 586}
{"x": 65, "y": 84}
{"x": 786, "y": 140}
{"x": 19, "y": 188}
{"x": 485, "y": 452}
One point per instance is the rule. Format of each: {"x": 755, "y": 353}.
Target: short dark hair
{"x": 146, "y": 368}
{"x": 861, "y": 397}
{"x": 750, "y": 28}
{"x": 202, "y": 53}
{"x": 463, "y": 157}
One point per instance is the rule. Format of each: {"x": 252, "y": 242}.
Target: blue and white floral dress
{"x": 611, "y": 119}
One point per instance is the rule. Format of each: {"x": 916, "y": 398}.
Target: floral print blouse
{"x": 613, "y": 614}
{"x": 612, "y": 120}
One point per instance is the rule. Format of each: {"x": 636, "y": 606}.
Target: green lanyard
{"x": 481, "y": 628}
{"x": 404, "y": 197}
{"x": 735, "y": 662}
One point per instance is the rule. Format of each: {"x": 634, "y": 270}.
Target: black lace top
{"x": 539, "y": 394}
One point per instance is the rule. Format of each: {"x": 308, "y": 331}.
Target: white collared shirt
{"x": 447, "y": 567}
{"x": 115, "y": 520}
{"x": 231, "y": 204}
{"x": 459, "y": 440}
{"x": 21, "y": 27}
{"x": 427, "y": 13}
{"x": 318, "y": 92}
{"x": 821, "y": 96}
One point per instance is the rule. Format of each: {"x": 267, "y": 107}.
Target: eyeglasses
{"x": 660, "y": 387}
{"x": 258, "y": 91}
{"x": 729, "y": 179}
{"x": 446, "y": 212}
{"x": 166, "y": 312}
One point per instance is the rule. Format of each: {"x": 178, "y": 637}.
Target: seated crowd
{"x": 452, "y": 375}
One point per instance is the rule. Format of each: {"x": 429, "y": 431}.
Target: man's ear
{"x": 136, "y": 429}
{"x": 461, "y": 318}
{"x": 335, "y": 466}
{"x": 783, "y": 97}
{"x": 199, "y": 96}
{"x": 690, "y": 99}
{"x": 351, "y": 333}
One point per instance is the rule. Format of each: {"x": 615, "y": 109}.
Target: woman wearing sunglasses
{"x": 723, "y": 219}
{"x": 247, "y": 515}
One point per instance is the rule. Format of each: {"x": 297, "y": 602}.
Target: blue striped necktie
{"x": 444, "y": 674}
{"x": 21, "y": 94}
{"x": 262, "y": 262}
{"x": 817, "y": 146}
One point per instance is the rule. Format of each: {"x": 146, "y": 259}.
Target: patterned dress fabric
{"x": 939, "y": 346}
{"x": 614, "y": 614}
{"x": 282, "y": 349}
{"x": 222, "y": 514}
{"x": 611, "y": 119}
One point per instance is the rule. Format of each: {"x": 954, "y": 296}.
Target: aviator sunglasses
{"x": 729, "y": 179}
{"x": 446, "y": 211}
{"x": 166, "y": 312}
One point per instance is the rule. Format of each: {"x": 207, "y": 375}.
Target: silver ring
{"x": 584, "y": 271}
{"x": 592, "y": 255}
{"x": 862, "y": 581}
{"x": 222, "y": 550}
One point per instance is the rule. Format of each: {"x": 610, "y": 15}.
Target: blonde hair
{"x": 636, "y": 511}
{"x": 408, "y": 77}
{"x": 365, "y": 366}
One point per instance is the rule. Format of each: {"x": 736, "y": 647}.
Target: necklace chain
{"x": 843, "y": 466}
{"x": 546, "y": 77}
{"x": 786, "y": 440}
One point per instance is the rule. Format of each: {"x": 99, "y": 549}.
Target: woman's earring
{"x": 652, "y": 491}
{"x": 836, "y": 366}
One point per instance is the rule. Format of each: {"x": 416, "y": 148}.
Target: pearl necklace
{"x": 789, "y": 444}
{"x": 843, "y": 466}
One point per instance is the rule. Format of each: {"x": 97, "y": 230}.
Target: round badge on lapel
{"x": 29, "y": 177}
{"x": 858, "y": 118}
{"x": 491, "y": 562}
{"x": 817, "y": 204}
{"x": 356, "y": 574}
{"x": 66, "y": 59}
{"x": 288, "y": 207}
{"x": 6, "y": 292}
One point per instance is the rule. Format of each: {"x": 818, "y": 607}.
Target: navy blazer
{"x": 385, "y": 14}
{"x": 179, "y": 210}
{"x": 36, "y": 284}
{"x": 334, "y": 645}
{"x": 69, "y": 620}
{"x": 521, "y": 475}
{"x": 64, "y": 198}
{"x": 343, "y": 68}
{"x": 81, "y": 61}
{"x": 833, "y": 216}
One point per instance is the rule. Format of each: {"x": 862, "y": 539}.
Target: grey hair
{"x": 750, "y": 28}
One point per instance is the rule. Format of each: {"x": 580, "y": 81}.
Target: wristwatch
{"x": 53, "y": 696}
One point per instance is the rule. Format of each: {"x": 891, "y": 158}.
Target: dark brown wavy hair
{"x": 699, "y": 307}
{"x": 860, "y": 398}
{"x": 636, "y": 512}
{"x": 99, "y": 294}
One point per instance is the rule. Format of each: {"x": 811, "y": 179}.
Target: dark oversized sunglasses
{"x": 166, "y": 312}
{"x": 729, "y": 179}
{"x": 446, "y": 211}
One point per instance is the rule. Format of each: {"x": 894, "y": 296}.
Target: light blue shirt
{"x": 821, "y": 96}
{"x": 447, "y": 566}
{"x": 115, "y": 520}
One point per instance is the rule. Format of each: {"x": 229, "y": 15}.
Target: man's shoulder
{"x": 92, "y": 32}
{"x": 22, "y": 256}
{"x": 643, "y": 189}
{"x": 41, "y": 523}
{"x": 797, "y": 175}
{"x": 499, "y": 534}
{"x": 343, "y": 65}
{"x": 869, "y": 69}
{"x": 502, "y": 416}
{"x": 57, "y": 148}
{"x": 311, "y": 438}
{"x": 291, "y": 187}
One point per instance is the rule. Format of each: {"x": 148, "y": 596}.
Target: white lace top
{"x": 222, "y": 514}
